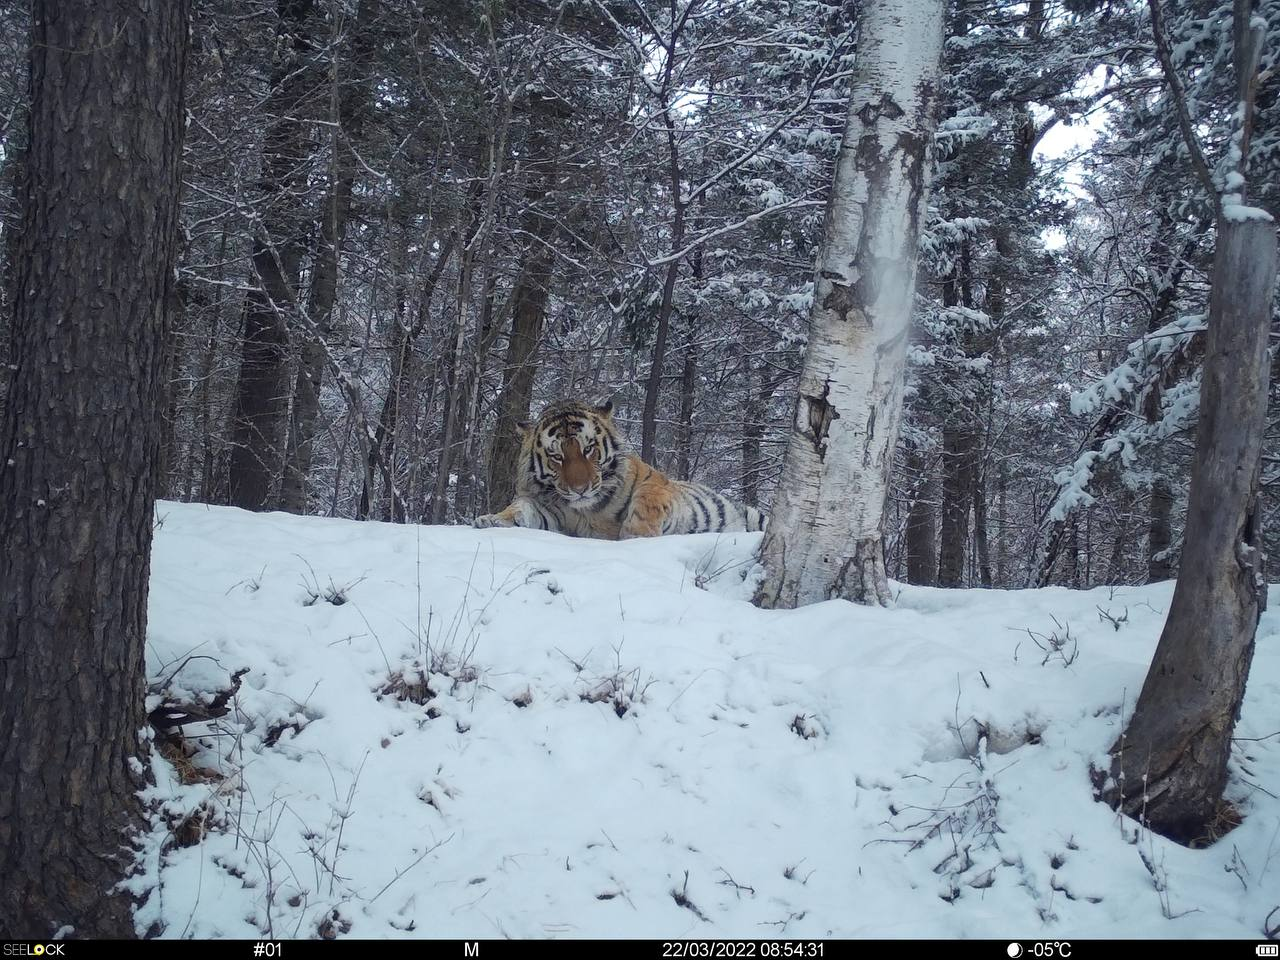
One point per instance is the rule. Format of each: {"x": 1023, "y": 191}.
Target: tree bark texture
{"x": 1169, "y": 767}
{"x": 825, "y": 533}
{"x": 79, "y": 449}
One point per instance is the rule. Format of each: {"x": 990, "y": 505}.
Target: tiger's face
{"x": 572, "y": 451}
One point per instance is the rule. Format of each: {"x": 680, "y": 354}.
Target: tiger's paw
{"x": 492, "y": 520}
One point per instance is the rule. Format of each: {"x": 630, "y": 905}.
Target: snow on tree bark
{"x": 825, "y": 535}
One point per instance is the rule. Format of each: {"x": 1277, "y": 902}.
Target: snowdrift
{"x": 443, "y": 732}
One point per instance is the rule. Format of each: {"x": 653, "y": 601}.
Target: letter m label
{"x": 471, "y": 949}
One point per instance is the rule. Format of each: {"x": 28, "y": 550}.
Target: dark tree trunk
{"x": 959, "y": 449}
{"x": 752, "y": 434}
{"x": 204, "y": 389}
{"x": 1073, "y": 553}
{"x": 175, "y": 327}
{"x": 688, "y": 385}
{"x": 452, "y": 361}
{"x": 518, "y": 372}
{"x": 1002, "y": 504}
{"x": 981, "y": 543}
{"x": 1170, "y": 765}
{"x": 347, "y": 110}
{"x": 653, "y": 386}
{"x": 1116, "y": 565}
{"x": 529, "y": 311}
{"x": 754, "y": 416}
{"x": 262, "y": 394}
{"x": 1160, "y": 564}
{"x": 313, "y": 356}
{"x": 461, "y": 405}
{"x": 959, "y": 463}
{"x": 922, "y": 543}
{"x": 79, "y": 448}
{"x": 689, "y": 372}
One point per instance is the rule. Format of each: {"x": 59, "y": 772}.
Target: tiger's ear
{"x": 605, "y": 409}
{"x": 524, "y": 428}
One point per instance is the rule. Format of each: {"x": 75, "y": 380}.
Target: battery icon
{"x": 1268, "y": 949}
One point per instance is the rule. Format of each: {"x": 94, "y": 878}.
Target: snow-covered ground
{"x": 617, "y": 744}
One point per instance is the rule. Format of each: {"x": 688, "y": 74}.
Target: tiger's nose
{"x": 580, "y": 488}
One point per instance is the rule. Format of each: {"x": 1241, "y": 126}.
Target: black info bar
{"x": 687, "y": 949}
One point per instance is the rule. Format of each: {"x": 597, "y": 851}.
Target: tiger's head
{"x": 571, "y": 452}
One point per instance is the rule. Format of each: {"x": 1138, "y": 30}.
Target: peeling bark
{"x": 825, "y": 533}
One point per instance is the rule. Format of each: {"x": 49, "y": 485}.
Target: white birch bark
{"x": 824, "y": 536}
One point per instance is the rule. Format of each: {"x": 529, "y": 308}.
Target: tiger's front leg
{"x": 647, "y": 516}
{"x": 523, "y": 512}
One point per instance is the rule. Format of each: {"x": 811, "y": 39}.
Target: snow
{"x": 1237, "y": 212}
{"x": 832, "y": 771}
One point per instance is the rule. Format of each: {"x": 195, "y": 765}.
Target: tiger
{"x": 578, "y": 477}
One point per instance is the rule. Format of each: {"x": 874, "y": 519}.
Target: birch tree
{"x": 824, "y": 537}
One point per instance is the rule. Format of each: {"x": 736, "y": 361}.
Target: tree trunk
{"x": 347, "y": 111}
{"x": 922, "y": 545}
{"x": 753, "y": 414}
{"x": 79, "y": 447}
{"x": 825, "y": 533}
{"x": 175, "y": 330}
{"x": 1170, "y": 765}
{"x": 981, "y": 543}
{"x": 462, "y": 402}
{"x": 688, "y": 384}
{"x": 653, "y": 385}
{"x": 529, "y": 310}
{"x": 262, "y": 394}
{"x": 203, "y": 398}
{"x": 1116, "y": 565}
{"x": 453, "y": 362}
{"x": 1002, "y": 526}
{"x": 1160, "y": 564}
{"x": 313, "y": 355}
{"x": 1073, "y": 552}
{"x": 959, "y": 464}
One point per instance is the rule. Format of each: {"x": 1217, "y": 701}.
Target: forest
{"x": 406, "y": 226}
{"x": 976, "y": 295}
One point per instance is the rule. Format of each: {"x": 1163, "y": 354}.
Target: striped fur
{"x": 578, "y": 477}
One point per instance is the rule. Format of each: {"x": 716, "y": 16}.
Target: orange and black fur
{"x": 578, "y": 477}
